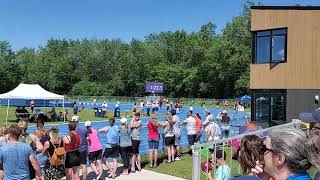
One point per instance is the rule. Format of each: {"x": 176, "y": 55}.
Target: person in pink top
{"x": 153, "y": 140}
{"x": 95, "y": 150}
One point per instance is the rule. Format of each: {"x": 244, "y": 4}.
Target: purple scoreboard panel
{"x": 154, "y": 87}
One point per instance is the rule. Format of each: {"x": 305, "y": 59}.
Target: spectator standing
{"x": 198, "y": 127}
{"x": 135, "y": 126}
{"x": 82, "y": 131}
{"x": 95, "y": 150}
{"x": 15, "y": 157}
{"x": 191, "y": 130}
{"x": 72, "y": 161}
{"x": 212, "y": 131}
{"x": 225, "y": 123}
{"x": 153, "y": 140}
{"x": 75, "y": 108}
{"x": 32, "y": 105}
{"x": 148, "y": 108}
{"x": 53, "y": 171}
{"x": 104, "y": 108}
{"x": 125, "y": 144}
{"x": 111, "y": 150}
{"x": 177, "y": 134}
{"x": 169, "y": 137}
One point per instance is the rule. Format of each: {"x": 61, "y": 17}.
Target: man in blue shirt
{"x": 15, "y": 157}
{"x": 83, "y": 147}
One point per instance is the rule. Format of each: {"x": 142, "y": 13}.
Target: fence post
{"x": 196, "y": 163}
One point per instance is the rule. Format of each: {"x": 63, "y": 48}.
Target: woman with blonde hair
{"x": 53, "y": 172}
{"x": 153, "y": 140}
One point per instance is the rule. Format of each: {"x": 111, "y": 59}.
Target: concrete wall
{"x": 300, "y": 101}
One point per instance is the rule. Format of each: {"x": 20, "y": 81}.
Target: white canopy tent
{"x": 30, "y": 91}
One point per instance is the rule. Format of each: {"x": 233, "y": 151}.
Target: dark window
{"x": 269, "y": 106}
{"x": 270, "y": 46}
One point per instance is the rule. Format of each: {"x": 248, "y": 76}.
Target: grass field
{"x": 183, "y": 168}
{"x": 87, "y": 114}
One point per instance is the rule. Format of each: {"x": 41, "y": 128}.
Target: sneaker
{"x": 177, "y": 158}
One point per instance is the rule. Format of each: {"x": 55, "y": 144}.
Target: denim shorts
{"x": 153, "y": 143}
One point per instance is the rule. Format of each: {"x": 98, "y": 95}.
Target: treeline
{"x": 197, "y": 64}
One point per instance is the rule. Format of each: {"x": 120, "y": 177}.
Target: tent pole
{"x": 64, "y": 117}
{"x": 7, "y": 112}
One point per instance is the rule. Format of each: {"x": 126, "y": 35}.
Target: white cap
{"x": 224, "y": 112}
{"x": 87, "y": 123}
{"x": 75, "y": 118}
{"x": 123, "y": 120}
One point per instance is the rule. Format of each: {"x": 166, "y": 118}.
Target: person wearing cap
{"x": 212, "y": 131}
{"x": 135, "y": 126}
{"x": 125, "y": 144}
{"x": 82, "y": 131}
{"x": 314, "y": 120}
{"x": 111, "y": 150}
{"x": 313, "y": 142}
{"x": 225, "y": 120}
{"x": 95, "y": 150}
{"x": 218, "y": 158}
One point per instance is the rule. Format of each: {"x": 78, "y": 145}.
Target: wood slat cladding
{"x": 302, "y": 70}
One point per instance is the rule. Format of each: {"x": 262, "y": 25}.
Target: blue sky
{"x": 30, "y": 23}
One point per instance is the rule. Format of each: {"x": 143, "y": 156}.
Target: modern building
{"x": 285, "y": 68}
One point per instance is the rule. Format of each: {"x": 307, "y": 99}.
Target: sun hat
{"x": 313, "y": 117}
{"x": 87, "y": 123}
{"x": 75, "y": 119}
{"x": 123, "y": 120}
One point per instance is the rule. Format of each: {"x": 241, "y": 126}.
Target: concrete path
{"x": 143, "y": 175}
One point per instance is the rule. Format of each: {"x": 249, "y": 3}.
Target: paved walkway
{"x": 143, "y": 175}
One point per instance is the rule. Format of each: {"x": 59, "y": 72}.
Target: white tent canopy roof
{"x": 30, "y": 91}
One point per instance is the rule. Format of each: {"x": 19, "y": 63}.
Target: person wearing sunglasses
{"x": 285, "y": 156}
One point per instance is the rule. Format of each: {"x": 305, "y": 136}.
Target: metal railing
{"x": 201, "y": 151}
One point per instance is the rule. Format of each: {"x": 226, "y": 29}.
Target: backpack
{"x": 57, "y": 157}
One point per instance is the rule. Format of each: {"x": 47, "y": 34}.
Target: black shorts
{"x": 135, "y": 146}
{"x": 83, "y": 157}
{"x": 169, "y": 141}
{"x": 96, "y": 155}
{"x": 192, "y": 139}
{"x": 1, "y": 166}
{"x": 72, "y": 159}
{"x": 112, "y": 152}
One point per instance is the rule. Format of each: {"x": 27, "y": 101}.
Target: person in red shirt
{"x": 198, "y": 127}
{"x": 72, "y": 143}
{"x": 153, "y": 140}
